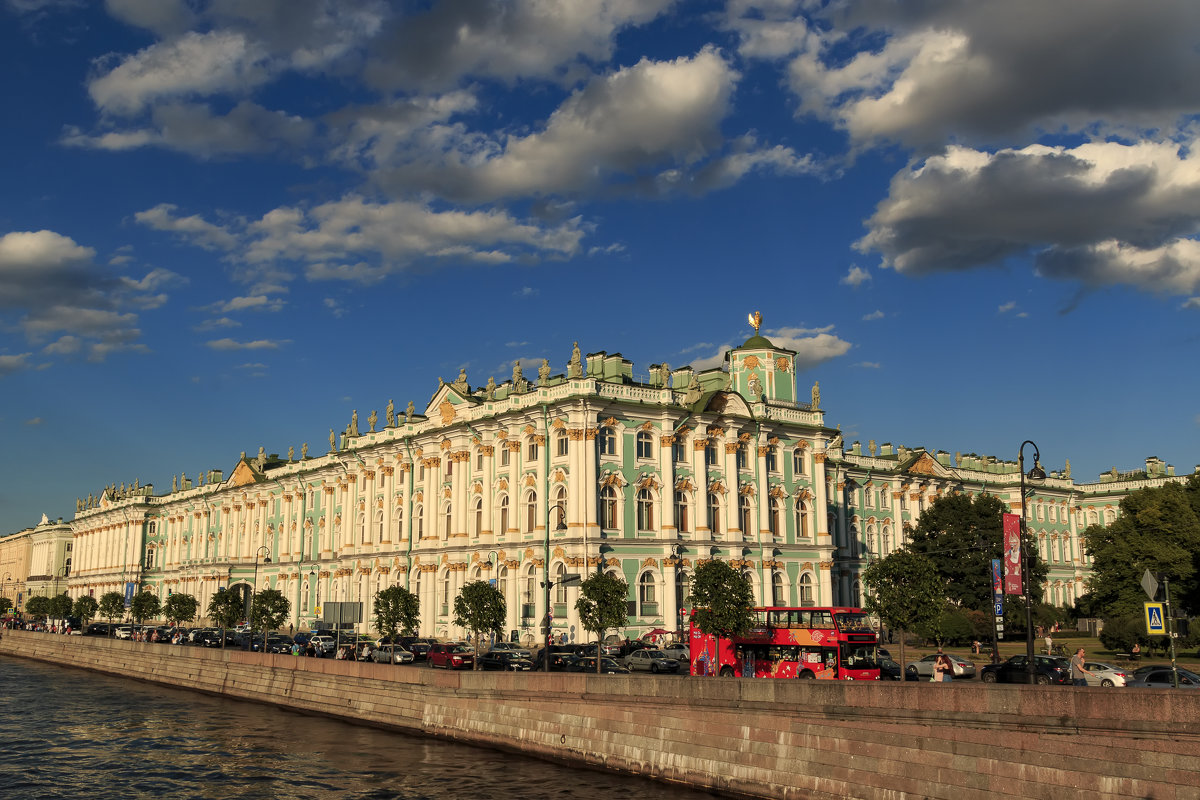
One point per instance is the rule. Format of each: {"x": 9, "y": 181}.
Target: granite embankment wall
{"x": 758, "y": 738}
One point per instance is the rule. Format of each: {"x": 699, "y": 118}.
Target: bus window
{"x": 859, "y": 656}
{"x": 822, "y": 619}
{"x": 778, "y": 619}
{"x": 803, "y": 618}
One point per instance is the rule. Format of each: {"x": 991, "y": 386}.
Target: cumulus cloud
{"x": 856, "y": 277}
{"x": 922, "y": 73}
{"x": 874, "y": 315}
{"x": 547, "y": 39}
{"x": 53, "y": 287}
{"x": 1101, "y": 213}
{"x": 14, "y": 363}
{"x": 194, "y": 228}
{"x": 813, "y": 346}
{"x": 1006, "y": 307}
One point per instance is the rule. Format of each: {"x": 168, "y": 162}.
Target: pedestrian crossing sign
{"x": 1155, "y": 619}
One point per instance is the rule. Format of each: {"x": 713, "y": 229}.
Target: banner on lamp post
{"x": 1012, "y": 554}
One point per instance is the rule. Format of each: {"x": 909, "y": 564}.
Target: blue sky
{"x": 227, "y": 225}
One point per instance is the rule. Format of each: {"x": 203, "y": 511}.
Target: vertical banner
{"x": 1012, "y": 554}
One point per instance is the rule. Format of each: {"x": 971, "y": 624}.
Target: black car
{"x": 608, "y": 666}
{"x": 1048, "y": 670}
{"x": 889, "y": 670}
{"x": 417, "y": 646}
{"x": 279, "y": 643}
{"x": 505, "y": 660}
{"x": 99, "y": 629}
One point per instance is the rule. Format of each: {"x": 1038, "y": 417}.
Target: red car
{"x": 451, "y": 655}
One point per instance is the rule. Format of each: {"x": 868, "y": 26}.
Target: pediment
{"x": 244, "y": 474}
{"x": 729, "y": 404}
{"x": 926, "y": 464}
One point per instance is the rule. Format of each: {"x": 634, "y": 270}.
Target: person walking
{"x": 1078, "y": 670}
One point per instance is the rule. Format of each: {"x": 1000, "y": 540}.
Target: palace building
{"x": 542, "y": 477}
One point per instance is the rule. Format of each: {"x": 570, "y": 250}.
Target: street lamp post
{"x": 548, "y": 583}
{"x": 4, "y": 589}
{"x": 265, "y": 553}
{"x": 1035, "y": 473}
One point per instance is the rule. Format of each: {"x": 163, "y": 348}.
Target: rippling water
{"x": 68, "y": 733}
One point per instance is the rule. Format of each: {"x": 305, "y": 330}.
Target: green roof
{"x": 758, "y": 343}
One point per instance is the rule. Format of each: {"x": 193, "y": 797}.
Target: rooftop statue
{"x": 391, "y": 414}
{"x": 371, "y": 420}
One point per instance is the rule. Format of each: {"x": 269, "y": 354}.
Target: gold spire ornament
{"x": 756, "y": 321}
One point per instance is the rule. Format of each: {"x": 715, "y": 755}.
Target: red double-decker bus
{"x": 831, "y": 643}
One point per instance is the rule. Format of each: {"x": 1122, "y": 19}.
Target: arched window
{"x": 775, "y": 516}
{"x": 528, "y": 608}
{"x": 856, "y": 599}
{"x": 647, "y": 600}
{"x": 399, "y": 516}
{"x": 304, "y": 598}
{"x": 806, "y": 590}
{"x": 777, "y": 595}
{"x": 379, "y": 526}
{"x": 502, "y": 581}
{"x": 681, "y": 512}
{"x": 739, "y": 457}
{"x": 802, "y": 520}
{"x": 608, "y": 508}
{"x": 645, "y": 510}
{"x": 530, "y": 512}
{"x": 608, "y": 441}
{"x": 798, "y": 462}
{"x": 478, "y": 516}
{"x": 560, "y": 589}
{"x": 772, "y": 458}
{"x": 714, "y": 511}
{"x": 645, "y": 445}
{"x": 871, "y": 540}
{"x": 503, "y": 514}
{"x": 744, "y": 514}
{"x": 448, "y": 516}
{"x": 887, "y": 541}
{"x": 419, "y": 513}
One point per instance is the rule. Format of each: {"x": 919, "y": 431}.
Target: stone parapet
{"x": 757, "y": 738}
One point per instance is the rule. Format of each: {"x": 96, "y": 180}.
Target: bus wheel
{"x": 806, "y": 675}
{"x": 726, "y": 672}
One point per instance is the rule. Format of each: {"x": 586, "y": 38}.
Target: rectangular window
{"x": 562, "y": 445}
{"x": 772, "y": 460}
{"x": 740, "y": 457}
{"x": 678, "y": 452}
{"x": 479, "y": 461}
{"x": 608, "y": 442}
{"x": 710, "y": 454}
{"x": 533, "y": 450}
{"x": 504, "y": 455}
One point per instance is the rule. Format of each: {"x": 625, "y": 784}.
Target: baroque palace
{"x": 562, "y": 474}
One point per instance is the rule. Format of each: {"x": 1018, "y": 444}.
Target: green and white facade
{"x": 567, "y": 473}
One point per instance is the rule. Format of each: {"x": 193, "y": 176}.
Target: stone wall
{"x": 758, "y": 738}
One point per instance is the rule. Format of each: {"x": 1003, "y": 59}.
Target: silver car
{"x": 1162, "y": 679}
{"x": 679, "y": 652}
{"x": 383, "y": 655}
{"x": 916, "y": 670}
{"x": 650, "y": 661}
{"x": 510, "y": 647}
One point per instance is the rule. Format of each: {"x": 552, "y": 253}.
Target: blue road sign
{"x": 1156, "y": 620}
{"x": 1000, "y": 608}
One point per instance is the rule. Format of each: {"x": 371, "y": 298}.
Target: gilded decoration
{"x": 528, "y": 430}
{"x": 502, "y": 484}
{"x": 446, "y": 409}
{"x": 486, "y": 450}
{"x": 540, "y": 439}
{"x": 826, "y": 566}
{"x": 447, "y": 493}
{"x": 717, "y": 486}
{"x": 732, "y": 447}
{"x": 666, "y": 441}
{"x": 558, "y": 424}
{"x": 445, "y": 444}
{"x": 647, "y": 482}
{"x": 592, "y": 433}
{"x": 558, "y": 552}
{"x": 610, "y": 422}
{"x": 781, "y": 364}
{"x": 650, "y": 562}
{"x": 818, "y": 458}
{"x": 777, "y": 492}
{"x": 699, "y": 443}
{"x": 529, "y": 552}
{"x": 539, "y": 563}
{"x": 685, "y": 485}
{"x": 477, "y": 488}
{"x": 746, "y": 490}
{"x": 612, "y": 479}
{"x": 419, "y": 497}
{"x": 575, "y": 434}
{"x": 763, "y": 450}
{"x": 559, "y": 476}
{"x": 751, "y": 362}
{"x": 513, "y": 447}
{"x": 530, "y": 480}
{"x": 715, "y": 430}
{"x": 612, "y": 562}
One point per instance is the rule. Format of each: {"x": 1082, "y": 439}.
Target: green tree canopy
{"x": 602, "y": 606}
{"x": 180, "y": 608}
{"x": 112, "y": 606}
{"x": 1158, "y": 529}
{"x": 268, "y": 611}
{"x": 961, "y": 535}
{"x": 5, "y": 605}
{"x": 225, "y": 609}
{"x": 723, "y": 600}
{"x": 85, "y": 608}
{"x": 479, "y": 608}
{"x": 905, "y": 591}
{"x": 60, "y": 606}
{"x": 37, "y": 606}
{"x": 145, "y": 605}
{"x": 397, "y": 610}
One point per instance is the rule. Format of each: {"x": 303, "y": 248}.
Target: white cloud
{"x": 1006, "y": 307}
{"x": 34, "y": 422}
{"x": 868, "y": 364}
{"x": 259, "y": 344}
{"x": 255, "y": 303}
{"x": 813, "y": 347}
{"x": 194, "y": 64}
{"x": 193, "y": 228}
{"x": 874, "y": 315}
{"x": 856, "y": 277}
{"x": 1191, "y": 302}
{"x": 14, "y": 363}
{"x": 1101, "y": 213}
{"x": 214, "y": 324}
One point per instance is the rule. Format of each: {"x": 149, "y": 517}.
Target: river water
{"x": 67, "y": 733}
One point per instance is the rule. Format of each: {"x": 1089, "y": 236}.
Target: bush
{"x": 1120, "y": 633}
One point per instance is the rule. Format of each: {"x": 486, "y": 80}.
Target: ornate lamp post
{"x": 1036, "y": 473}
{"x": 548, "y": 583}
{"x": 265, "y": 553}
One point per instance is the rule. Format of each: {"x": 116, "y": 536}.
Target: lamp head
{"x": 1036, "y": 473}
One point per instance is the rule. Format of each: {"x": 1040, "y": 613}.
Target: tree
{"x": 5, "y": 605}
{"x": 268, "y": 611}
{"x": 479, "y": 607}
{"x": 180, "y": 608}
{"x": 84, "y": 608}
{"x": 961, "y": 535}
{"x": 1158, "y": 529}
{"x": 145, "y": 605}
{"x": 601, "y": 606}
{"x": 396, "y": 609}
{"x": 723, "y": 600}
{"x": 37, "y": 606}
{"x": 905, "y": 591}
{"x": 112, "y": 606}
{"x": 225, "y": 610}
{"x": 60, "y": 606}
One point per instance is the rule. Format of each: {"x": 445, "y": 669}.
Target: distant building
{"x": 568, "y": 473}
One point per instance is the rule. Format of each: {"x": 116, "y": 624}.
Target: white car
{"x": 327, "y": 644}
{"x": 1104, "y": 674}
{"x": 677, "y": 651}
{"x": 650, "y": 661}
{"x": 123, "y": 632}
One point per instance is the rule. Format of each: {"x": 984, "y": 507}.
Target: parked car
{"x": 451, "y": 655}
{"x": 279, "y": 643}
{"x": 1048, "y": 670}
{"x": 384, "y": 655}
{"x": 505, "y": 660}
{"x": 650, "y": 661}
{"x": 123, "y": 632}
{"x": 324, "y": 642}
{"x": 417, "y": 646}
{"x": 678, "y": 651}
{"x": 561, "y": 657}
{"x": 608, "y": 666}
{"x": 1104, "y": 674}
{"x": 514, "y": 648}
{"x": 889, "y": 670}
{"x": 916, "y": 670}
{"x": 99, "y": 629}
{"x": 1162, "y": 678}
